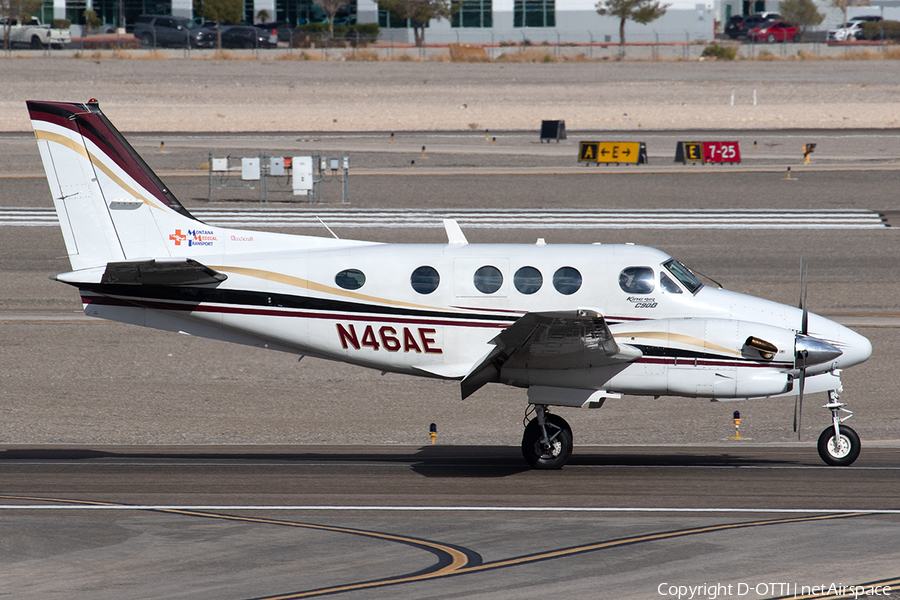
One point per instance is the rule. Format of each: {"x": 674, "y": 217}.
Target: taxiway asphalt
{"x": 441, "y": 522}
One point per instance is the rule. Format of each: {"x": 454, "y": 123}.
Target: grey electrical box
{"x": 250, "y": 169}
{"x": 276, "y": 166}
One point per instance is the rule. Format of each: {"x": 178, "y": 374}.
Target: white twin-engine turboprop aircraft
{"x": 573, "y": 324}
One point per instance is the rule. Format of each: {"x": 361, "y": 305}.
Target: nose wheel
{"x": 838, "y": 445}
{"x": 840, "y": 450}
{"x": 547, "y": 441}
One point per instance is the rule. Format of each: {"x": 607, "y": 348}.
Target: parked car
{"x": 740, "y": 25}
{"x": 282, "y": 29}
{"x": 852, "y": 29}
{"x": 163, "y": 30}
{"x": 33, "y": 34}
{"x": 233, "y": 36}
{"x": 774, "y": 31}
{"x": 246, "y": 36}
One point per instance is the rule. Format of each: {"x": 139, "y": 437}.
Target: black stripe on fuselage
{"x": 188, "y": 297}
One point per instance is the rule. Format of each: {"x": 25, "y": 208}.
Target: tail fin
{"x": 111, "y": 205}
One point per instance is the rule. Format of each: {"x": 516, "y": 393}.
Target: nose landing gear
{"x": 547, "y": 441}
{"x": 838, "y": 445}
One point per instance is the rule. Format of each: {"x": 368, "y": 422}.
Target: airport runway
{"x": 187, "y": 445}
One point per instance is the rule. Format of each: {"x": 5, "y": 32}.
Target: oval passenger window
{"x": 425, "y": 280}
{"x": 637, "y": 280}
{"x": 567, "y": 280}
{"x": 528, "y": 280}
{"x": 488, "y": 279}
{"x": 350, "y": 279}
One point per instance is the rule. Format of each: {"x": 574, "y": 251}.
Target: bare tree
{"x": 842, "y": 6}
{"x": 331, "y": 7}
{"x": 639, "y": 11}
{"x": 420, "y": 12}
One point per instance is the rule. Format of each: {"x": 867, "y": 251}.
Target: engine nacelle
{"x": 713, "y": 358}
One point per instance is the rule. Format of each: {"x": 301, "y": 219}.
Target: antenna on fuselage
{"x": 454, "y": 233}
{"x": 327, "y": 227}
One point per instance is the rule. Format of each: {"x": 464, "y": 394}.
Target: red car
{"x": 774, "y": 31}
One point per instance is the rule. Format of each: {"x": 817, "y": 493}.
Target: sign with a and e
{"x": 613, "y": 152}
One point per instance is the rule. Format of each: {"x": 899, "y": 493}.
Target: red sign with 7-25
{"x": 722, "y": 152}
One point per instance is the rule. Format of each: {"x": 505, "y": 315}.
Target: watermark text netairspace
{"x": 753, "y": 591}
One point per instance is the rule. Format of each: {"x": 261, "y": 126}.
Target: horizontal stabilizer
{"x": 175, "y": 272}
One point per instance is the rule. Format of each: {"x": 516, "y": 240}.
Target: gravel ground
{"x": 279, "y": 95}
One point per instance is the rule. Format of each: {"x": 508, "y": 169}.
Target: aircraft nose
{"x": 856, "y": 348}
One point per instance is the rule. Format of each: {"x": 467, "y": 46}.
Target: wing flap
{"x": 557, "y": 340}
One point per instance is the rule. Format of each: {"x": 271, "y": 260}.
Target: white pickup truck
{"x": 33, "y": 34}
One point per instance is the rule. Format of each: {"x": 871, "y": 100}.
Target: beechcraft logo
{"x": 194, "y": 237}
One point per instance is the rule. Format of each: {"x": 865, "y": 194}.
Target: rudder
{"x": 111, "y": 205}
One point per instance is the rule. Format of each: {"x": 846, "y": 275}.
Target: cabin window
{"x": 636, "y": 280}
{"x": 350, "y": 279}
{"x": 668, "y": 285}
{"x": 425, "y": 280}
{"x": 567, "y": 280}
{"x": 528, "y": 280}
{"x": 488, "y": 279}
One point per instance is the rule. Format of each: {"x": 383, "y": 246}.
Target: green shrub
{"x": 370, "y": 29}
{"x": 719, "y": 52}
{"x": 61, "y": 24}
{"x": 873, "y": 30}
{"x": 313, "y": 27}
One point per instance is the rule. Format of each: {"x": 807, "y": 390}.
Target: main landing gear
{"x": 547, "y": 442}
{"x": 838, "y": 445}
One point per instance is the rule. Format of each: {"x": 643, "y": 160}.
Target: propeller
{"x": 801, "y": 353}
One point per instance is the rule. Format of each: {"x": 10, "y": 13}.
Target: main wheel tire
{"x": 36, "y": 43}
{"x": 842, "y": 454}
{"x": 560, "y": 444}
{"x": 771, "y": 38}
{"x": 796, "y": 38}
{"x": 146, "y": 39}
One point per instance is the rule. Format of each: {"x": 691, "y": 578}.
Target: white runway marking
{"x": 369, "y": 508}
{"x": 544, "y": 219}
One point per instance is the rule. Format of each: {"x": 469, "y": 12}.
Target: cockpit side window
{"x": 637, "y": 280}
{"x": 684, "y": 275}
{"x": 668, "y": 285}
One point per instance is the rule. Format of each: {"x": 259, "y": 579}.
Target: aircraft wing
{"x": 559, "y": 340}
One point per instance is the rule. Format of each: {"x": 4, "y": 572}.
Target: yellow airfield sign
{"x": 610, "y": 152}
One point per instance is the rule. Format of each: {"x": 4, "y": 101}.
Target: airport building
{"x": 484, "y": 21}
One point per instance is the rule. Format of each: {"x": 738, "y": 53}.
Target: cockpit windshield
{"x": 684, "y": 275}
